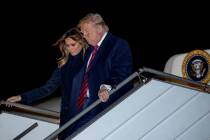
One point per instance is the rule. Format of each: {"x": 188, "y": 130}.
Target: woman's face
{"x": 73, "y": 46}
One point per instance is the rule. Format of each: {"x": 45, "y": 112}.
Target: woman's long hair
{"x": 76, "y": 35}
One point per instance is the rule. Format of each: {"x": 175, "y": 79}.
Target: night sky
{"x": 154, "y": 32}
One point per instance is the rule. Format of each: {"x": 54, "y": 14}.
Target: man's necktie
{"x": 85, "y": 87}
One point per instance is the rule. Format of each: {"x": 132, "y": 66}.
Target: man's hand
{"x": 103, "y": 94}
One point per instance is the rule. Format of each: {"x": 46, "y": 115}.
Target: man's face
{"x": 91, "y": 33}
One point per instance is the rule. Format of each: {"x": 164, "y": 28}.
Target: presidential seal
{"x": 196, "y": 66}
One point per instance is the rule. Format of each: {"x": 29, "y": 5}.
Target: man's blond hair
{"x": 94, "y": 18}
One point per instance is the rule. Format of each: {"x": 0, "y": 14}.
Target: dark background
{"x": 155, "y": 32}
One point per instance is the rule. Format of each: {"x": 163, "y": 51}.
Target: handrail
{"x": 94, "y": 104}
{"x": 31, "y": 109}
{"x": 22, "y": 134}
{"x": 203, "y": 87}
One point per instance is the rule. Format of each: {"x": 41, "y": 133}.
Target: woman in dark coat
{"x": 72, "y": 46}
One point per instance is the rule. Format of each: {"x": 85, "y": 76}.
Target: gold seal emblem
{"x": 196, "y": 66}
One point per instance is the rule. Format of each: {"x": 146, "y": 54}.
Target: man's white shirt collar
{"x": 102, "y": 39}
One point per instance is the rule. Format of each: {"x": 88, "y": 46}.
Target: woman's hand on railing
{"x": 13, "y": 99}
